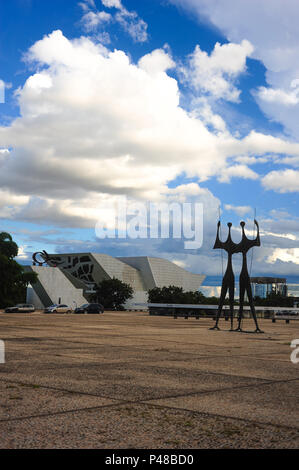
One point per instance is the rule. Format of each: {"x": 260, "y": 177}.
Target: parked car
{"x": 279, "y": 312}
{"x": 21, "y": 308}
{"x": 90, "y": 308}
{"x": 60, "y": 308}
{"x": 287, "y": 313}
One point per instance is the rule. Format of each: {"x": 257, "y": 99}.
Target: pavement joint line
{"x": 93, "y": 346}
{"x": 199, "y": 392}
{"x": 288, "y": 439}
{"x": 236, "y": 418}
{"x": 56, "y": 389}
{"x": 201, "y": 372}
{"x": 117, "y": 336}
{"x": 153, "y": 405}
{"x": 224, "y": 389}
{"x": 139, "y": 401}
{"x": 257, "y": 356}
{"x": 62, "y": 412}
{"x": 143, "y": 338}
{"x": 149, "y": 359}
{"x": 222, "y": 374}
{"x": 201, "y": 356}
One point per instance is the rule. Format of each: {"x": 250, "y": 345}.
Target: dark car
{"x": 286, "y": 313}
{"x": 21, "y": 308}
{"x": 90, "y": 308}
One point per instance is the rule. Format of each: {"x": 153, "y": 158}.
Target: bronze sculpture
{"x": 243, "y": 247}
{"x": 228, "y": 282}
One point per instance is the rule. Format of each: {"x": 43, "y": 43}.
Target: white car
{"x": 21, "y": 308}
{"x": 58, "y": 308}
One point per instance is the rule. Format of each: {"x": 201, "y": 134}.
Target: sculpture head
{"x": 242, "y": 224}
{"x": 229, "y": 224}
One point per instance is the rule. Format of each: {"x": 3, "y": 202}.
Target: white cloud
{"x": 215, "y": 73}
{"x": 157, "y": 61}
{"x": 93, "y": 123}
{"x": 236, "y": 171}
{"x": 11, "y": 203}
{"x": 132, "y": 24}
{"x": 128, "y": 20}
{"x": 290, "y": 255}
{"x": 112, "y": 4}
{"x": 93, "y": 126}
{"x": 202, "y": 110}
{"x": 272, "y": 28}
{"x": 87, "y": 4}
{"x": 91, "y": 20}
{"x": 258, "y": 144}
{"x": 283, "y": 181}
{"x": 211, "y": 291}
{"x": 239, "y": 210}
{"x": 23, "y": 254}
{"x": 289, "y": 236}
{"x": 279, "y": 96}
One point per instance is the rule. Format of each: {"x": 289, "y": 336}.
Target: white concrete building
{"x": 69, "y": 278}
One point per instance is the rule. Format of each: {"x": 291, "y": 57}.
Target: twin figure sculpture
{"x": 228, "y": 283}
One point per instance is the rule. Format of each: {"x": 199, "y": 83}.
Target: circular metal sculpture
{"x": 41, "y": 257}
{"x": 228, "y": 282}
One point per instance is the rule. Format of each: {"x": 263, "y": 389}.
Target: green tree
{"x": 13, "y": 279}
{"x": 175, "y": 295}
{"x": 113, "y": 293}
{"x": 274, "y": 299}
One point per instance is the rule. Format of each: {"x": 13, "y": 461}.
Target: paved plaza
{"x": 129, "y": 380}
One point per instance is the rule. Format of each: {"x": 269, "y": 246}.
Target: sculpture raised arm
{"x": 257, "y": 240}
{"x": 218, "y": 242}
{"x": 247, "y": 243}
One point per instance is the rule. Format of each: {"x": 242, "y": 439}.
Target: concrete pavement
{"x": 130, "y": 380}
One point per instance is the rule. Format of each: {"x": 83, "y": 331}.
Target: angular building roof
{"x": 159, "y": 272}
{"x": 142, "y": 273}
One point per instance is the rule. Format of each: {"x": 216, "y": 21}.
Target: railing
{"x": 209, "y": 311}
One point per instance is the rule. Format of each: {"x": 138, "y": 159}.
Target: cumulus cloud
{"x": 283, "y": 181}
{"x": 216, "y": 73}
{"x": 286, "y": 255}
{"x": 239, "y": 210}
{"x": 93, "y": 123}
{"x": 157, "y": 61}
{"x": 202, "y": 110}
{"x": 273, "y": 31}
{"x": 279, "y": 96}
{"x": 240, "y": 171}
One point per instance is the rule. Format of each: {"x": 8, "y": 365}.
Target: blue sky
{"x": 156, "y": 100}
